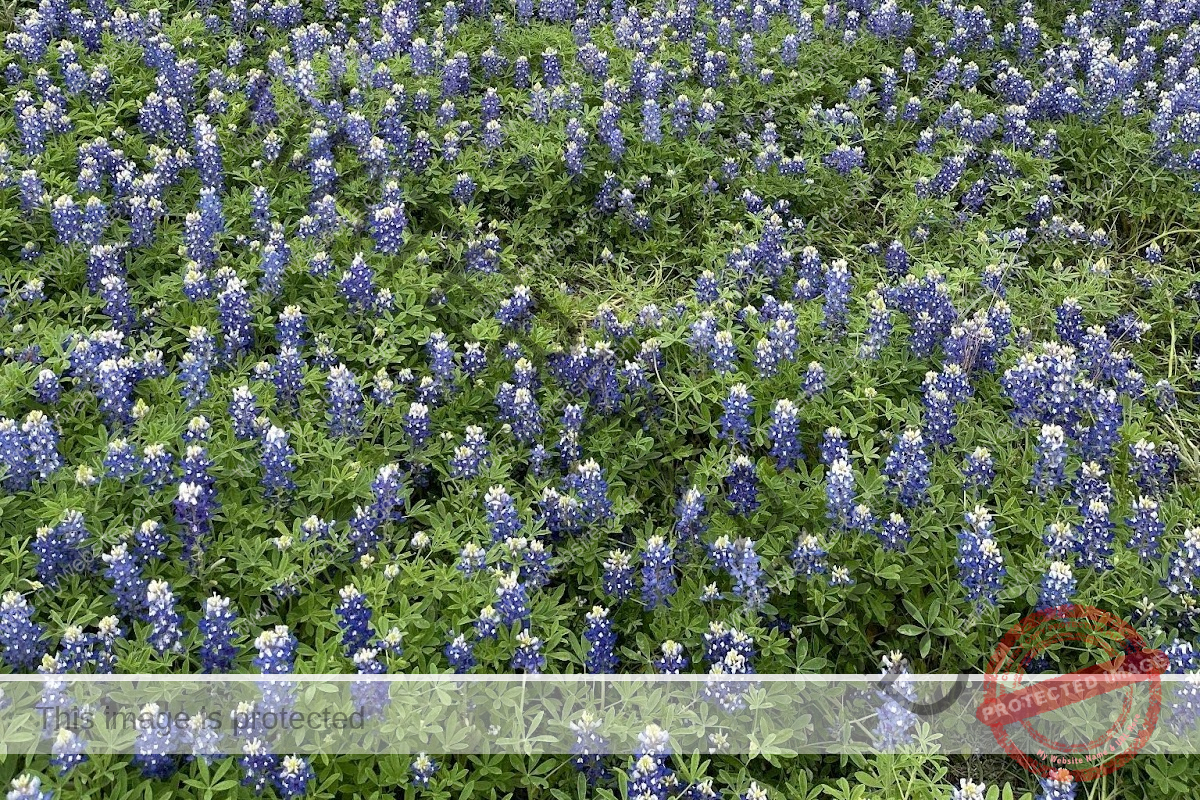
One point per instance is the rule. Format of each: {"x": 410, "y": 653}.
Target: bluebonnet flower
{"x": 20, "y": 636}
{"x": 833, "y": 446}
{"x": 196, "y": 367}
{"x": 741, "y": 485}
{"x": 236, "y": 317}
{"x": 650, "y": 776}
{"x": 164, "y": 619}
{"x": 559, "y": 512}
{"x": 588, "y": 483}
{"x": 416, "y": 425}
{"x": 600, "y": 380}
{"x": 460, "y": 653}
{"x": 291, "y": 327}
{"x": 779, "y": 346}
{"x": 76, "y": 649}
{"x": 969, "y": 790}
{"x": 1164, "y": 396}
{"x": 277, "y": 465}
{"x": 1147, "y": 528}
{"x": 723, "y": 354}
{"x": 61, "y": 549}
{"x": 862, "y": 519}
{"x": 1058, "y": 784}
{"x": 464, "y": 188}
{"x": 814, "y": 380}
{"x": 691, "y": 516}
{"x": 276, "y": 651}
{"x": 735, "y": 421}
{"x": 895, "y": 533}
{"x": 1092, "y": 484}
{"x": 658, "y": 573}
{"x": 196, "y": 501}
{"x": 720, "y": 640}
{"x": 784, "y": 433}
{"x": 105, "y": 653}
{"x": 728, "y": 653}
{"x": 1095, "y": 536}
{"x": 980, "y": 562}
{"x": 928, "y": 305}
{"x": 528, "y": 656}
{"x": 942, "y": 392}
{"x": 243, "y": 410}
{"x": 839, "y": 492}
{"x": 117, "y": 302}
{"x": 471, "y": 559}
{"x": 588, "y": 747}
{"x": 357, "y": 286}
{"x": 41, "y": 444}
{"x": 354, "y": 620}
{"x": 154, "y": 744}
{"x": 259, "y": 765}
{"x": 618, "y": 575}
{"x": 672, "y": 661}
{"x": 520, "y": 411}
{"x": 471, "y": 455}
{"x": 488, "y": 624}
{"x": 1183, "y": 574}
{"x": 512, "y": 603}
{"x": 294, "y": 777}
{"x": 129, "y": 587}
{"x": 287, "y": 375}
{"x": 979, "y": 469}
{"x": 217, "y": 649}
{"x": 46, "y": 387}
{"x": 601, "y": 656}
{"x": 120, "y": 461}
{"x": 67, "y": 219}
{"x": 1070, "y": 324}
{"x": 441, "y": 357}
{"x": 516, "y": 311}
{"x": 993, "y": 279}
{"x": 844, "y": 159}
{"x": 1098, "y": 440}
{"x": 68, "y": 750}
{"x": 33, "y": 291}
{"x": 502, "y": 514}
{"x": 837, "y": 295}
{"x": 907, "y": 468}
{"x": 895, "y": 258}
{"x": 808, "y": 557}
{"x": 743, "y": 565}
{"x": 423, "y": 769}
{"x": 28, "y": 787}
{"x": 1058, "y": 586}
{"x": 895, "y": 718}
{"x": 156, "y": 467}
{"x": 474, "y": 360}
{"x": 1059, "y": 539}
{"x": 114, "y": 388}
{"x": 569, "y": 449}
{"x": 707, "y": 288}
{"x": 388, "y": 224}
{"x": 483, "y": 253}
{"x": 535, "y": 568}
{"x": 1152, "y": 468}
{"x": 344, "y": 403}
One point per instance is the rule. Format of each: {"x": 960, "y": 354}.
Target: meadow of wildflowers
{"x": 554, "y": 336}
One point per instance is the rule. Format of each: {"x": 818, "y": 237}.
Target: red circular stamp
{"x": 1090, "y": 740}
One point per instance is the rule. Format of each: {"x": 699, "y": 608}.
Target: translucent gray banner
{"x": 507, "y": 714}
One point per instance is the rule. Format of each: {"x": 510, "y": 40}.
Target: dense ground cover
{"x": 591, "y": 336}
